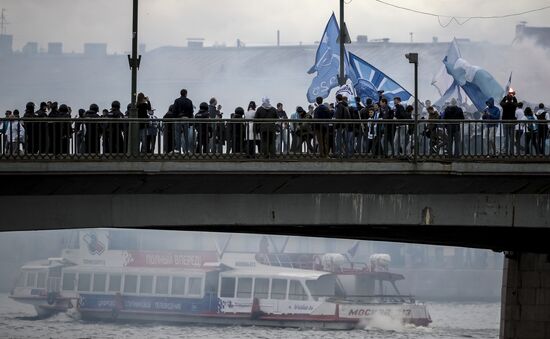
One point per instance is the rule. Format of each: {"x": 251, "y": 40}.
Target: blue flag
{"x": 370, "y": 80}
{"x": 327, "y": 63}
{"x": 476, "y": 82}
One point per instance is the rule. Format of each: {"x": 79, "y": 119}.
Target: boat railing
{"x": 374, "y": 299}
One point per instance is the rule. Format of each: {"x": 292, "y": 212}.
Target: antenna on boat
{"x": 222, "y": 250}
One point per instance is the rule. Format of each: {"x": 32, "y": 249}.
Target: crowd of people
{"x": 343, "y": 129}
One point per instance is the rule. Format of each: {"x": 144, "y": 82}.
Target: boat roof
{"x": 141, "y": 270}
{"x": 43, "y": 264}
{"x": 275, "y": 272}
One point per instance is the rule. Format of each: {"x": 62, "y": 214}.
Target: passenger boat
{"x": 206, "y": 287}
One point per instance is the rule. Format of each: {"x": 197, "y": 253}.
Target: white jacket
{"x": 250, "y": 135}
{"x": 15, "y": 132}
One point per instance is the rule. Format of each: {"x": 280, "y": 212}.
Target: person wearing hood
{"x": 93, "y": 131}
{"x": 113, "y": 133}
{"x": 491, "y": 112}
{"x": 252, "y": 137}
{"x": 204, "y": 129}
{"x": 168, "y": 131}
{"x": 267, "y": 130}
{"x": 453, "y": 112}
{"x": 80, "y": 132}
{"x": 216, "y": 140}
{"x": 341, "y": 130}
{"x": 63, "y": 130}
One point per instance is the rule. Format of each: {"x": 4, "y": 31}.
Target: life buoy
{"x": 51, "y": 298}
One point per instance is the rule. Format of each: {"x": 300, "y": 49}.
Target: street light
{"x": 134, "y": 61}
{"x": 413, "y": 59}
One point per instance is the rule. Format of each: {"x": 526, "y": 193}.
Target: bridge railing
{"x": 243, "y": 139}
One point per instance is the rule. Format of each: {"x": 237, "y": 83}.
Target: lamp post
{"x": 134, "y": 61}
{"x": 413, "y": 59}
{"x": 343, "y": 38}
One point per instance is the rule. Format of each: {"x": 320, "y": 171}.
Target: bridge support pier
{"x": 525, "y": 309}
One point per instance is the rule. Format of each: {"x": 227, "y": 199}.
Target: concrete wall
{"x": 525, "y": 311}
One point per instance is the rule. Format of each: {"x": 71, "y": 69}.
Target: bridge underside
{"x": 496, "y": 206}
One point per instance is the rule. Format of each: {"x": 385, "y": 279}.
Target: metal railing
{"x": 275, "y": 140}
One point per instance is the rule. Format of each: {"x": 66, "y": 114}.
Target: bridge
{"x": 466, "y": 195}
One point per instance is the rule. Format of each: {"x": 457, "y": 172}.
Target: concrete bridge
{"x": 495, "y": 205}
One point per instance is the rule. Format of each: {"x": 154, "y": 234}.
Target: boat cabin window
{"x": 68, "y": 281}
{"x": 261, "y": 288}
{"x": 84, "y": 282}
{"x": 41, "y": 280}
{"x": 278, "y": 289}
{"x": 130, "y": 283}
{"x": 31, "y": 279}
{"x": 161, "y": 286}
{"x": 296, "y": 291}
{"x": 244, "y": 288}
{"x": 227, "y": 289}
{"x": 195, "y": 286}
{"x": 146, "y": 284}
{"x": 178, "y": 285}
{"x": 99, "y": 282}
{"x": 114, "y": 282}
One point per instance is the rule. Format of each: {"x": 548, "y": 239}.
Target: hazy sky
{"x": 170, "y": 22}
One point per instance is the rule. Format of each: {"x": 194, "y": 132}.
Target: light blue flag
{"x": 327, "y": 63}
{"x": 370, "y": 80}
{"x": 476, "y": 82}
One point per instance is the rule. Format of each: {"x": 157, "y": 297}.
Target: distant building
{"x": 362, "y": 39}
{"x": 6, "y": 44}
{"x": 95, "y": 49}
{"x": 541, "y": 35}
{"x": 142, "y": 48}
{"x": 55, "y": 48}
{"x": 30, "y": 48}
{"x": 195, "y": 42}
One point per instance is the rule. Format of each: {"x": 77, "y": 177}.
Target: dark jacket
{"x": 453, "y": 113}
{"x": 266, "y": 113}
{"x": 400, "y": 112}
{"x": 183, "y": 107}
{"x": 322, "y": 112}
{"x": 509, "y": 105}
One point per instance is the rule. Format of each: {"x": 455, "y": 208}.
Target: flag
{"x": 370, "y": 80}
{"x": 478, "y": 84}
{"x": 509, "y": 84}
{"x": 347, "y": 91}
{"x": 353, "y": 250}
{"x": 327, "y": 63}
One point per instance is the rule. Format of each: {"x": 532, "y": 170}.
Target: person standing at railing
{"x": 530, "y": 132}
{"x": 282, "y": 131}
{"x": 236, "y": 132}
{"x": 3, "y": 132}
{"x": 143, "y": 107}
{"x": 491, "y": 113}
{"x": 542, "y": 128}
{"x": 93, "y": 131}
{"x": 509, "y": 105}
{"x": 42, "y": 113}
{"x": 204, "y": 129}
{"x": 152, "y": 131}
{"x": 322, "y": 112}
{"x": 341, "y": 129}
{"x": 15, "y": 134}
{"x": 54, "y": 137}
{"x": 252, "y": 138}
{"x": 80, "y": 133}
{"x": 389, "y": 129}
{"x": 62, "y": 130}
{"x": 454, "y": 141}
{"x": 183, "y": 109}
{"x": 168, "y": 132}
{"x": 401, "y": 134}
{"x": 216, "y": 140}
{"x": 519, "y": 128}
{"x": 267, "y": 130}
{"x": 304, "y": 131}
{"x": 31, "y": 129}
{"x": 113, "y": 133}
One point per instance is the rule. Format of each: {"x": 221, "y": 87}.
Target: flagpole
{"x": 341, "y": 77}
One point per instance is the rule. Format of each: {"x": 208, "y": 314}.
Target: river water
{"x": 450, "y": 320}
